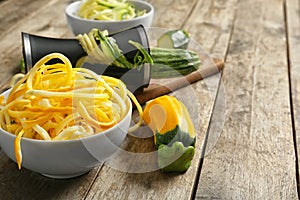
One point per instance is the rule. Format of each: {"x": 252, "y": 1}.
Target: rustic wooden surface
{"x": 248, "y": 115}
{"x": 255, "y": 156}
{"x": 293, "y": 39}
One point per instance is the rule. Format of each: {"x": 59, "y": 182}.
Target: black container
{"x": 35, "y": 47}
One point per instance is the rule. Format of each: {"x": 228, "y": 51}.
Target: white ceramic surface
{"x": 79, "y": 25}
{"x": 70, "y": 158}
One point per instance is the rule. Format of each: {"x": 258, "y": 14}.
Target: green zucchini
{"x": 174, "y": 39}
{"x": 161, "y": 55}
{"x": 171, "y": 72}
{"x": 173, "y": 62}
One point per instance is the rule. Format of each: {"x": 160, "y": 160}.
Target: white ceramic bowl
{"x": 69, "y": 158}
{"x": 79, "y": 25}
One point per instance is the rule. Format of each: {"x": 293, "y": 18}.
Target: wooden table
{"x": 249, "y": 113}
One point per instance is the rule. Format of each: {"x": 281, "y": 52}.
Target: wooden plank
{"x": 171, "y": 13}
{"x": 25, "y": 184}
{"x": 293, "y": 30}
{"x": 211, "y": 26}
{"x": 13, "y": 13}
{"x": 254, "y": 157}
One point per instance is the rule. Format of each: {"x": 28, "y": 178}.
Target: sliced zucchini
{"x": 174, "y": 39}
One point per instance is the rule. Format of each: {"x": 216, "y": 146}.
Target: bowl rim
{"x": 75, "y": 5}
{"x": 103, "y": 133}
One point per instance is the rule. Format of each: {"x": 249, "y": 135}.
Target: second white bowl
{"x": 80, "y": 25}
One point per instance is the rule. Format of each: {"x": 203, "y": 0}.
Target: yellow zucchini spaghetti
{"x": 58, "y": 102}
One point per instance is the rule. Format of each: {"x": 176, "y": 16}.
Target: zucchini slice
{"x": 174, "y": 39}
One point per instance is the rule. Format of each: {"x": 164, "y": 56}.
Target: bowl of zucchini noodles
{"x": 62, "y": 121}
{"x": 114, "y": 16}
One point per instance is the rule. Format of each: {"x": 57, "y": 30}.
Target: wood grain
{"x": 254, "y": 157}
{"x": 172, "y": 13}
{"x": 13, "y": 13}
{"x": 293, "y": 37}
{"x": 99, "y": 182}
